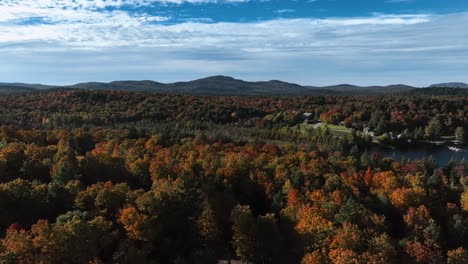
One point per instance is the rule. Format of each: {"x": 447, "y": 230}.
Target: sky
{"x": 310, "y": 42}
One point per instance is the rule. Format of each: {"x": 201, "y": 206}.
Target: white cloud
{"x": 118, "y": 28}
{"x": 282, "y": 11}
{"x": 79, "y": 10}
{"x": 81, "y": 42}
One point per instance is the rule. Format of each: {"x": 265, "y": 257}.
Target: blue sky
{"x": 315, "y": 42}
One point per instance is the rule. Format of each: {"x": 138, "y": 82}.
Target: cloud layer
{"x": 98, "y": 40}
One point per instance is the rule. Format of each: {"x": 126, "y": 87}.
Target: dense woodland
{"x": 133, "y": 177}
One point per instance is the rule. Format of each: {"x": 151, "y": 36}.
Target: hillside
{"x": 353, "y": 89}
{"x": 141, "y": 86}
{"x": 27, "y": 85}
{"x": 7, "y": 89}
{"x": 451, "y": 85}
{"x": 440, "y": 91}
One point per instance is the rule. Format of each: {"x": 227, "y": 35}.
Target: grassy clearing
{"x": 339, "y": 130}
{"x": 334, "y": 129}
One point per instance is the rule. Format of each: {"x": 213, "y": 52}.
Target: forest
{"x": 139, "y": 177}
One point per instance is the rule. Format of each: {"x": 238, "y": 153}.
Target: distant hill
{"x": 142, "y": 86}
{"x": 440, "y": 91}
{"x": 216, "y": 85}
{"x": 7, "y": 89}
{"x": 26, "y": 85}
{"x": 224, "y": 85}
{"x": 361, "y": 90}
{"x": 451, "y": 85}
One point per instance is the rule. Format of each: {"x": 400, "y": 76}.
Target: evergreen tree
{"x": 460, "y": 135}
{"x": 434, "y": 129}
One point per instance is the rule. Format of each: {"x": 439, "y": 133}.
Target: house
{"x": 308, "y": 118}
{"x": 367, "y": 131}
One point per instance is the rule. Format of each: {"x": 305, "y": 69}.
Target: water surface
{"x": 442, "y": 155}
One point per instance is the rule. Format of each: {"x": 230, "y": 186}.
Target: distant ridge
{"x": 440, "y": 91}
{"x": 11, "y": 89}
{"x": 27, "y": 85}
{"x": 353, "y": 89}
{"x": 215, "y": 85}
{"x": 121, "y": 85}
{"x": 451, "y": 85}
{"x": 225, "y": 85}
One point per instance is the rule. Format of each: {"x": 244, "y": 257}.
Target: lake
{"x": 440, "y": 153}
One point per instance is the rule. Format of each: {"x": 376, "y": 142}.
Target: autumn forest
{"x": 139, "y": 177}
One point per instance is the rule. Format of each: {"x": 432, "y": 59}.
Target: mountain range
{"x": 221, "y": 85}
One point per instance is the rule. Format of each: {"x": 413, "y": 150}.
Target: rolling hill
{"x": 11, "y": 89}
{"x": 353, "y": 89}
{"x": 440, "y": 91}
{"x": 27, "y": 85}
{"x": 225, "y": 85}
{"x": 215, "y": 85}
{"x": 451, "y": 85}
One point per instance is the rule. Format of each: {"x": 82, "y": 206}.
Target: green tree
{"x": 460, "y": 135}
{"x": 244, "y": 233}
{"x": 209, "y": 233}
{"x": 381, "y": 126}
{"x": 418, "y": 133}
{"x": 433, "y": 130}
